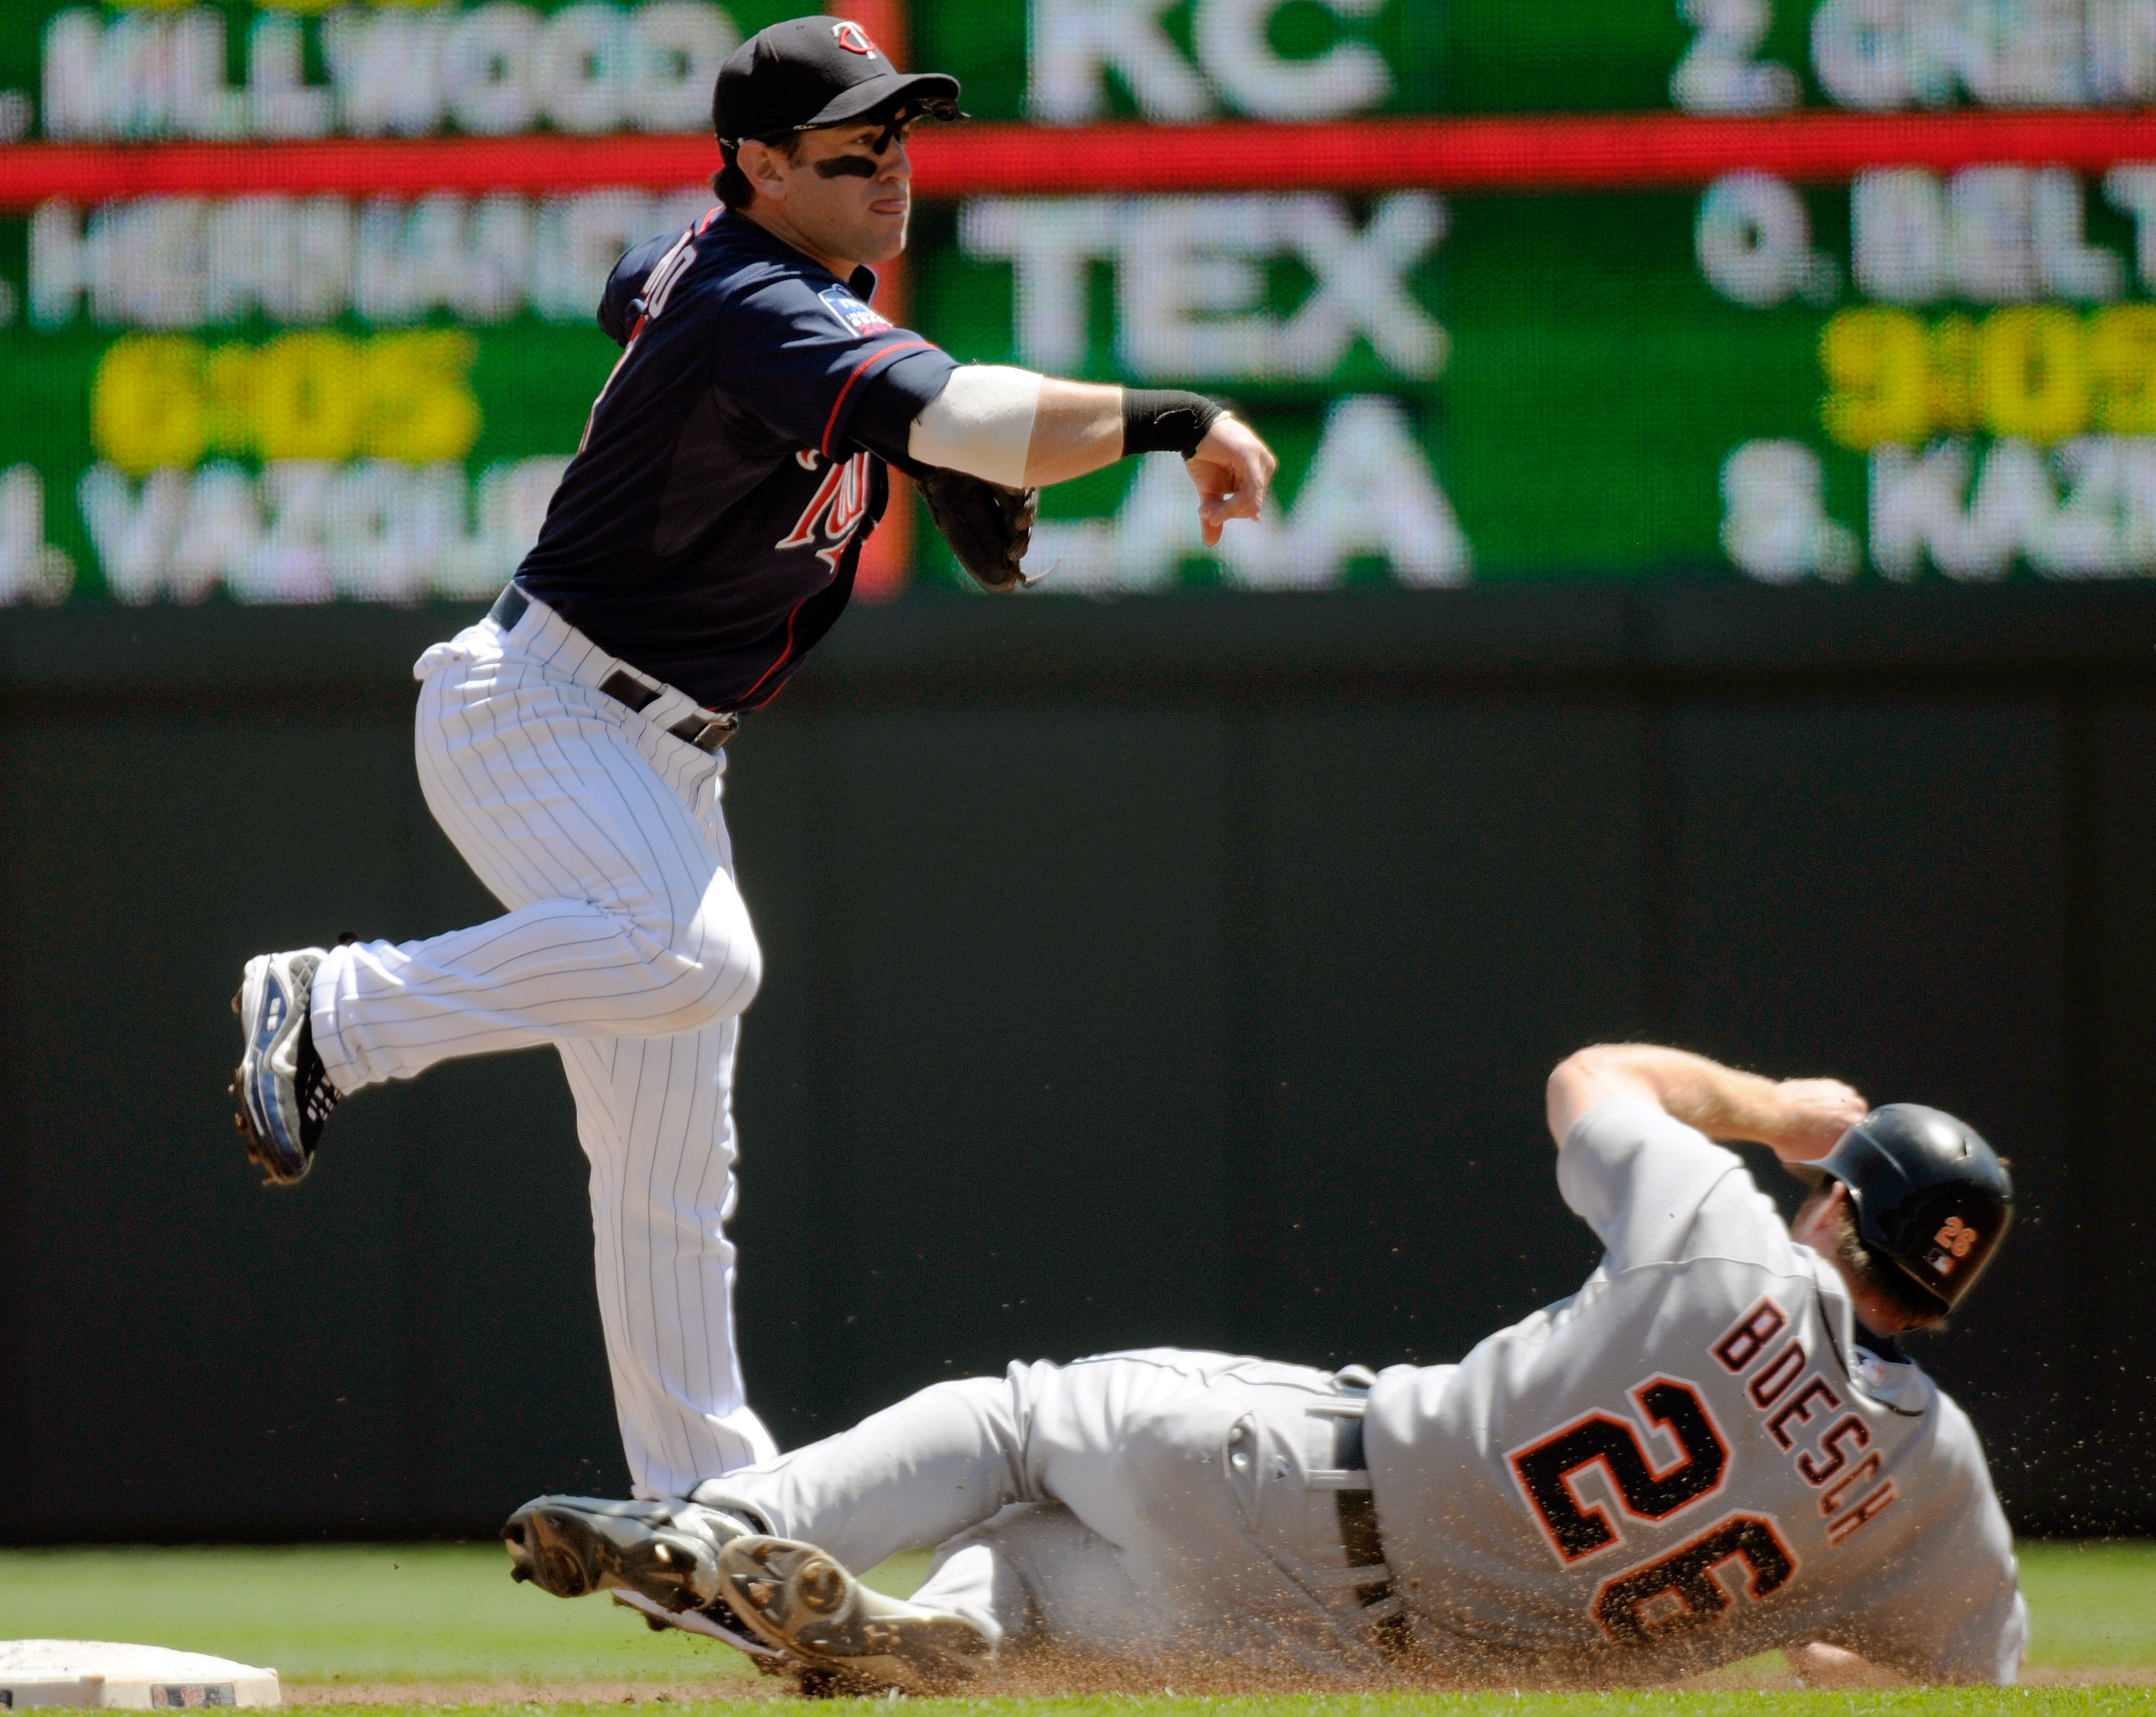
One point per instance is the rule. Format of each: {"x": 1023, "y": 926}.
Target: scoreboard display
{"x": 296, "y": 301}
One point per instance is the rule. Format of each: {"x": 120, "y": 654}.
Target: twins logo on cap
{"x": 851, "y": 36}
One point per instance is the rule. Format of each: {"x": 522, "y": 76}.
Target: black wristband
{"x": 1167, "y": 419}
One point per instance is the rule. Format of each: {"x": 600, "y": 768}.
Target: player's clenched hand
{"x": 1816, "y": 1113}
{"x": 1232, "y": 469}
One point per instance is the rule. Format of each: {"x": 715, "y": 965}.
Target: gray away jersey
{"x": 1689, "y": 1461}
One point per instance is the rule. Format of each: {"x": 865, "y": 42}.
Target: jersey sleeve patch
{"x": 856, "y": 317}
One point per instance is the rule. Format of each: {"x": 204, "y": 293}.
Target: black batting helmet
{"x": 1931, "y": 1196}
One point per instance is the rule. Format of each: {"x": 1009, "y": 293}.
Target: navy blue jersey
{"x": 708, "y": 529}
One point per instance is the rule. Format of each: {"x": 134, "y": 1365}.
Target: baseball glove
{"x": 987, "y": 524}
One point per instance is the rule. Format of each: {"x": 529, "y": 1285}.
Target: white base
{"x": 95, "y": 1673}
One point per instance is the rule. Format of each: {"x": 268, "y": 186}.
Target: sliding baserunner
{"x": 1716, "y": 1448}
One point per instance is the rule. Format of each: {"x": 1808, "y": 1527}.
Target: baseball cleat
{"x": 283, "y": 1093}
{"x": 714, "y": 1622}
{"x": 667, "y": 1551}
{"x": 799, "y": 1599}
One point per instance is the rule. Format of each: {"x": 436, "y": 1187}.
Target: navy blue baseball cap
{"x": 811, "y": 72}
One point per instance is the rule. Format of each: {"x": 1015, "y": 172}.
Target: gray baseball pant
{"x": 1155, "y": 1504}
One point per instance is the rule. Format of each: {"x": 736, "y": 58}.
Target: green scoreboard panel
{"x": 295, "y": 303}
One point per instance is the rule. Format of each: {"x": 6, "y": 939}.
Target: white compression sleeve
{"x": 982, "y": 423}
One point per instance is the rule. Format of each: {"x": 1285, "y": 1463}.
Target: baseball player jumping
{"x": 703, "y": 539}
{"x": 1716, "y": 1447}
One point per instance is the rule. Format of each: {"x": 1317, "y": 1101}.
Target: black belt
{"x": 623, "y": 687}
{"x": 1358, "y": 1536}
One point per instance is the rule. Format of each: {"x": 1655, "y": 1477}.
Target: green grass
{"x": 2093, "y": 1606}
{"x": 357, "y": 1613}
{"x": 446, "y": 1612}
{"x": 450, "y": 1613}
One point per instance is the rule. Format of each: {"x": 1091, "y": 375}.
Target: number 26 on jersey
{"x": 1673, "y": 1593}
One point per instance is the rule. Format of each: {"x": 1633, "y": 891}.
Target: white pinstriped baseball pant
{"x": 627, "y": 946}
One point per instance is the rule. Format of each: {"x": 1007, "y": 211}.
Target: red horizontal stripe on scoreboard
{"x": 359, "y": 167}
{"x": 1557, "y": 152}
{"x": 1532, "y": 153}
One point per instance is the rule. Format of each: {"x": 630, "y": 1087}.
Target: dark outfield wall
{"x": 1138, "y": 974}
